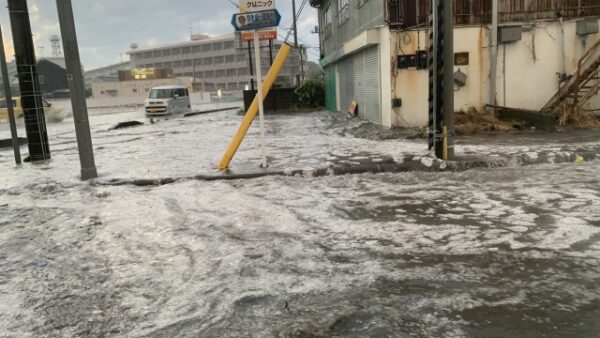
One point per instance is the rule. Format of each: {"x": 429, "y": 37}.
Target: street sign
{"x": 256, "y": 20}
{"x": 247, "y": 6}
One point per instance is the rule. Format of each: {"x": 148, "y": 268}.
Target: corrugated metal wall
{"x": 346, "y": 76}
{"x": 367, "y": 83}
{"x": 330, "y": 87}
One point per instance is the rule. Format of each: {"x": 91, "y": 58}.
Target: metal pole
{"x": 494, "y": 57}
{"x": 299, "y": 76}
{"x": 75, "y": 79}
{"x": 250, "y": 63}
{"x": 31, "y": 99}
{"x": 261, "y": 108}
{"x": 9, "y": 103}
{"x": 448, "y": 46}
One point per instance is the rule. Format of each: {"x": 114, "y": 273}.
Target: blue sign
{"x": 256, "y": 20}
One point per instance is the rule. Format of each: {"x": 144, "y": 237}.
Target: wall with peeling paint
{"x": 527, "y": 69}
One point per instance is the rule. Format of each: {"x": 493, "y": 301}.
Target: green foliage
{"x": 311, "y": 94}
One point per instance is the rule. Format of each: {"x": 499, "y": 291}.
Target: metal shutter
{"x": 358, "y": 63}
{"x": 346, "y": 75}
{"x": 371, "y": 85}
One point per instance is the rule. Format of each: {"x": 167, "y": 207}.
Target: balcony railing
{"x": 407, "y": 14}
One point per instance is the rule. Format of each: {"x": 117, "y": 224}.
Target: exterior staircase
{"x": 578, "y": 90}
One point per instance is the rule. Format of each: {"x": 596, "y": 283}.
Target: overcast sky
{"x": 106, "y": 28}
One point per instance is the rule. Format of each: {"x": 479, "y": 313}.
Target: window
{"x": 166, "y": 52}
{"x": 231, "y": 72}
{"x": 229, "y": 58}
{"x": 157, "y": 54}
{"x": 220, "y": 73}
{"x": 218, "y": 60}
{"x": 134, "y": 90}
{"x": 240, "y": 58}
{"x": 177, "y": 64}
{"x": 181, "y": 92}
{"x": 343, "y": 11}
{"x": 196, "y": 49}
{"x": 148, "y": 55}
{"x": 208, "y": 61}
{"x": 229, "y": 45}
{"x": 176, "y": 51}
{"x": 187, "y": 63}
{"x": 218, "y": 46}
{"x": 242, "y": 71}
{"x": 207, "y": 47}
{"x": 41, "y": 79}
{"x": 186, "y": 50}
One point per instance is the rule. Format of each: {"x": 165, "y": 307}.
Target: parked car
{"x": 48, "y": 109}
{"x": 168, "y": 100}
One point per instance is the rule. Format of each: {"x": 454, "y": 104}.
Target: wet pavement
{"x": 507, "y": 252}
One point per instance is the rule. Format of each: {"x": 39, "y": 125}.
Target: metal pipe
{"x": 9, "y": 103}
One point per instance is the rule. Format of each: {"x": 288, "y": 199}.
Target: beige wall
{"x": 522, "y": 82}
{"x": 134, "y": 89}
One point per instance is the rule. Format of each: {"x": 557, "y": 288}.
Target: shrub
{"x": 311, "y": 94}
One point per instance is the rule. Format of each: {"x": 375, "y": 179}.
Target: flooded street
{"x": 508, "y": 252}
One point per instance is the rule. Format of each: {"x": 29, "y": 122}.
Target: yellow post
{"x": 253, "y": 110}
{"x": 445, "y": 143}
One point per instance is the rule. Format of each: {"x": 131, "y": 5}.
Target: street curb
{"x": 415, "y": 164}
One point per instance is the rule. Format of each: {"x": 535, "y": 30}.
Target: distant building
{"x": 137, "y": 82}
{"x": 52, "y": 75}
{"x": 376, "y": 54}
{"x": 108, "y": 73}
{"x": 215, "y": 63}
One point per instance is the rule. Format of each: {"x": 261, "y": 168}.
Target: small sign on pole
{"x": 256, "y": 16}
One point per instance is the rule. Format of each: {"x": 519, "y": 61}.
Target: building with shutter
{"x": 375, "y": 53}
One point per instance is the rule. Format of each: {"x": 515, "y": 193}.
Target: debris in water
{"x": 128, "y": 124}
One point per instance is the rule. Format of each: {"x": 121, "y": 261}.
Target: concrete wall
{"x": 527, "y": 69}
{"x": 134, "y": 88}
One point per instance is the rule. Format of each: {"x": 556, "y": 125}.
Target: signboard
{"x": 256, "y": 20}
{"x": 263, "y": 34}
{"x": 255, "y": 6}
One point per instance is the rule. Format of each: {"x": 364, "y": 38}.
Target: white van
{"x": 168, "y": 100}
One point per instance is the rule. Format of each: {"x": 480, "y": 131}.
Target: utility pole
{"x": 9, "y": 102}
{"x": 31, "y": 98}
{"x": 76, "y": 86}
{"x": 441, "y": 79}
{"x": 301, "y": 75}
{"x": 250, "y": 63}
{"x": 494, "y": 57}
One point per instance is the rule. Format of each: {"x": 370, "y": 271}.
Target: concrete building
{"x": 216, "y": 63}
{"x": 374, "y": 52}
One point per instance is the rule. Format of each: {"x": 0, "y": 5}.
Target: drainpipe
{"x": 494, "y": 57}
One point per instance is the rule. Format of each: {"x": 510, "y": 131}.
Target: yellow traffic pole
{"x": 235, "y": 143}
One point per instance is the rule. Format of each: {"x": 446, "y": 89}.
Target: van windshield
{"x": 161, "y": 94}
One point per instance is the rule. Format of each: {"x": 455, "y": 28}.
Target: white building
{"x": 218, "y": 62}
